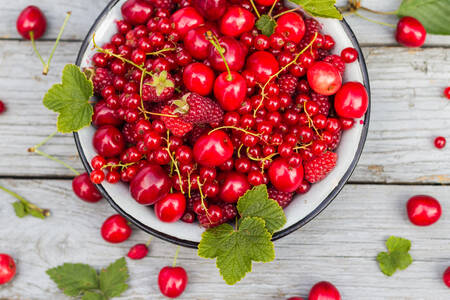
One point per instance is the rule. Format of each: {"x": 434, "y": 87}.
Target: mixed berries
{"x": 196, "y": 106}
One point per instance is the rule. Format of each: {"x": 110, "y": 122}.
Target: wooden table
{"x": 340, "y": 245}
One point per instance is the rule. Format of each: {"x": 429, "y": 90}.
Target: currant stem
{"x": 44, "y": 212}
{"x": 374, "y": 21}
{"x": 286, "y": 12}
{"x": 58, "y": 38}
{"x": 161, "y": 51}
{"x": 33, "y": 43}
{"x": 219, "y": 49}
{"x": 176, "y": 256}
{"x": 256, "y": 10}
{"x": 273, "y": 6}
{"x": 387, "y": 13}
{"x": 236, "y": 128}
{"x": 174, "y": 162}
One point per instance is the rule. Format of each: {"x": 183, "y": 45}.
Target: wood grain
{"x": 340, "y": 245}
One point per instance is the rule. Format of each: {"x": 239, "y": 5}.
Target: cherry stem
{"x": 29, "y": 205}
{"x": 387, "y": 13}
{"x": 286, "y": 12}
{"x": 219, "y": 49}
{"x": 58, "y": 38}
{"x": 273, "y": 6}
{"x": 148, "y": 242}
{"x": 33, "y": 43}
{"x": 374, "y": 21}
{"x": 176, "y": 256}
{"x": 256, "y": 10}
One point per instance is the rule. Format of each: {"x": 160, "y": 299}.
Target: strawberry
{"x": 196, "y": 109}
{"x": 176, "y": 126}
{"x": 318, "y": 168}
{"x": 158, "y": 88}
{"x": 283, "y": 198}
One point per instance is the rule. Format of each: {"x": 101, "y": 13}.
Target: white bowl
{"x": 302, "y": 209}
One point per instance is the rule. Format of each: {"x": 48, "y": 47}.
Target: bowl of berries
{"x": 198, "y": 101}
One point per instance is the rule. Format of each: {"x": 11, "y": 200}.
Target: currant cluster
{"x": 196, "y": 105}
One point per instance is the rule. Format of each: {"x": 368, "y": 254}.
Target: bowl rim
{"x": 278, "y": 235}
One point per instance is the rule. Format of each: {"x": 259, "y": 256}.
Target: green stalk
{"x": 47, "y": 65}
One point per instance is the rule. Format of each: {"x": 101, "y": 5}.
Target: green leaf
{"x": 256, "y": 203}
{"x": 266, "y": 24}
{"x": 73, "y": 279}
{"x": 113, "y": 278}
{"x": 19, "y": 209}
{"x": 35, "y": 213}
{"x": 397, "y": 256}
{"x": 236, "y": 249}
{"x": 320, "y": 8}
{"x": 70, "y": 100}
{"x": 433, "y": 14}
{"x": 89, "y": 295}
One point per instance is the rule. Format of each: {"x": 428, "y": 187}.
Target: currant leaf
{"x": 113, "y": 278}
{"x": 90, "y": 295}
{"x": 71, "y": 100}
{"x": 320, "y": 8}
{"x": 74, "y": 279}
{"x": 397, "y": 256}
{"x": 266, "y": 24}
{"x": 433, "y": 14}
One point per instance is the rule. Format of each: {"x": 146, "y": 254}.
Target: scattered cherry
{"x": 440, "y": 142}
{"x": 138, "y": 251}
{"x": 7, "y": 268}
{"x": 31, "y": 19}
{"x": 115, "y": 229}
{"x": 172, "y": 281}
{"x": 324, "y": 291}
{"x": 423, "y": 210}
{"x": 447, "y": 92}
{"x": 410, "y": 32}
{"x": 446, "y": 277}
{"x": 2, "y": 107}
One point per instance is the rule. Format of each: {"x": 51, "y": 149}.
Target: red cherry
{"x": 104, "y": 115}
{"x": 97, "y": 176}
{"x": 265, "y": 2}
{"x": 196, "y": 43}
{"x": 210, "y": 9}
{"x": 236, "y": 21}
{"x": 150, "y": 185}
{"x": 349, "y": 55}
{"x": 108, "y": 141}
{"x": 84, "y": 188}
{"x": 447, "y": 92}
{"x": 7, "y": 268}
{"x": 186, "y": 19}
{"x": 263, "y": 65}
{"x": 230, "y": 90}
{"x": 291, "y": 26}
{"x": 284, "y": 177}
{"x": 423, "y": 210}
{"x": 324, "y": 291}
{"x": 115, "y": 229}
{"x": 198, "y": 78}
{"x": 324, "y": 78}
{"x": 446, "y": 277}
{"x": 172, "y": 281}
{"x": 138, "y": 251}
{"x": 234, "y": 186}
{"x": 351, "y": 101}
{"x": 410, "y": 32}
{"x": 137, "y": 12}
{"x": 213, "y": 149}
{"x": 31, "y": 19}
{"x": 170, "y": 208}
{"x": 440, "y": 142}
{"x": 232, "y": 51}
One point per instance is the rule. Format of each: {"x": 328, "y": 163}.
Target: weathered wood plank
{"x": 339, "y": 246}
{"x": 408, "y": 111}
{"x": 84, "y": 12}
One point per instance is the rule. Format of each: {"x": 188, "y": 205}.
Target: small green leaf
{"x": 89, "y": 295}
{"x": 433, "y": 14}
{"x": 35, "y": 213}
{"x": 113, "y": 278}
{"x": 256, "y": 203}
{"x": 397, "y": 256}
{"x": 394, "y": 243}
{"x": 236, "y": 249}
{"x": 387, "y": 265}
{"x": 73, "y": 279}
{"x": 71, "y": 100}
{"x": 266, "y": 24}
{"x": 320, "y": 8}
{"x": 19, "y": 209}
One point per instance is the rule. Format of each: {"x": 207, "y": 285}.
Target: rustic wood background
{"x": 340, "y": 245}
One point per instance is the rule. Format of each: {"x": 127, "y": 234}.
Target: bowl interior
{"x": 301, "y": 210}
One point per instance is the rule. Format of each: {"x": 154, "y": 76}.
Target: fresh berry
{"x": 349, "y": 55}
{"x": 199, "y": 78}
{"x": 440, "y": 142}
{"x": 233, "y": 52}
{"x": 150, "y": 185}
{"x": 283, "y": 198}
{"x": 170, "y": 208}
{"x": 31, "y": 19}
{"x": 101, "y": 79}
{"x": 108, "y": 141}
{"x": 176, "y": 125}
{"x": 196, "y": 109}
{"x": 82, "y": 187}
{"x": 138, "y": 251}
{"x": 164, "y": 4}
{"x": 230, "y": 90}
{"x": 97, "y": 176}
{"x": 351, "y": 101}
{"x": 337, "y": 62}
{"x": 324, "y": 291}
{"x": 186, "y": 19}
{"x": 7, "y": 268}
{"x": 158, "y": 88}
{"x": 115, "y": 229}
{"x": 263, "y": 65}
{"x": 210, "y": 9}
{"x": 284, "y": 177}
{"x": 288, "y": 84}
{"x": 318, "y": 168}
{"x": 423, "y": 210}
{"x": 233, "y": 187}
{"x": 324, "y": 79}
{"x": 323, "y": 102}
{"x": 410, "y": 32}
{"x": 136, "y": 12}
{"x": 213, "y": 149}
{"x": 236, "y": 21}
{"x": 291, "y": 26}
{"x": 172, "y": 281}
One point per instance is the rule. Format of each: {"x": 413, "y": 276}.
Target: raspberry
{"x": 283, "y": 198}
{"x": 196, "y": 109}
{"x": 335, "y": 141}
{"x": 318, "y": 168}
{"x": 176, "y": 126}
{"x": 288, "y": 84}
{"x": 158, "y": 88}
{"x": 336, "y": 61}
{"x": 323, "y": 53}
{"x": 323, "y": 102}
{"x": 101, "y": 79}
{"x": 164, "y": 4}
{"x": 129, "y": 133}
{"x": 311, "y": 27}
{"x": 190, "y": 203}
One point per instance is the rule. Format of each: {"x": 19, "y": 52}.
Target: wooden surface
{"x": 340, "y": 245}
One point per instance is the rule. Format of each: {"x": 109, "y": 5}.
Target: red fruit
{"x": 324, "y": 291}
{"x": 410, "y": 32}
{"x": 138, "y": 251}
{"x": 210, "y": 9}
{"x": 324, "y": 79}
{"x": 115, "y": 229}
{"x": 7, "y": 268}
{"x": 423, "y": 210}
{"x": 234, "y": 186}
{"x": 97, "y": 176}
{"x": 2, "y": 107}
{"x": 213, "y": 149}
{"x": 283, "y": 198}
{"x": 265, "y": 2}
{"x": 284, "y": 177}
{"x": 236, "y": 21}
{"x": 103, "y": 115}
{"x": 196, "y": 43}
{"x": 136, "y": 12}
{"x": 158, "y": 88}
{"x": 197, "y": 110}
{"x": 446, "y": 277}
{"x": 170, "y": 208}
{"x": 85, "y": 189}
{"x": 232, "y": 51}
{"x": 351, "y": 101}
{"x": 175, "y": 125}
{"x": 186, "y": 19}
{"x": 447, "y": 92}
{"x": 291, "y": 26}
{"x": 440, "y": 142}
{"x": 349, "y": 55}
{"x": 318, "y": 168}
{"x": 108, "y": 141}
{"x": 150, "y": 185}
{"x": 164, "y": 4}
{"x": 230, "y": 90}
{"x": 337, "y": 62}
{"x": 102, "y": 78}
{"x": 199, "y": 78}
{"x": 31, "y": 19}
{"x": 296, "y": 298}
{"x": 263, "y": 65}
{"x": 172, "y": 281}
